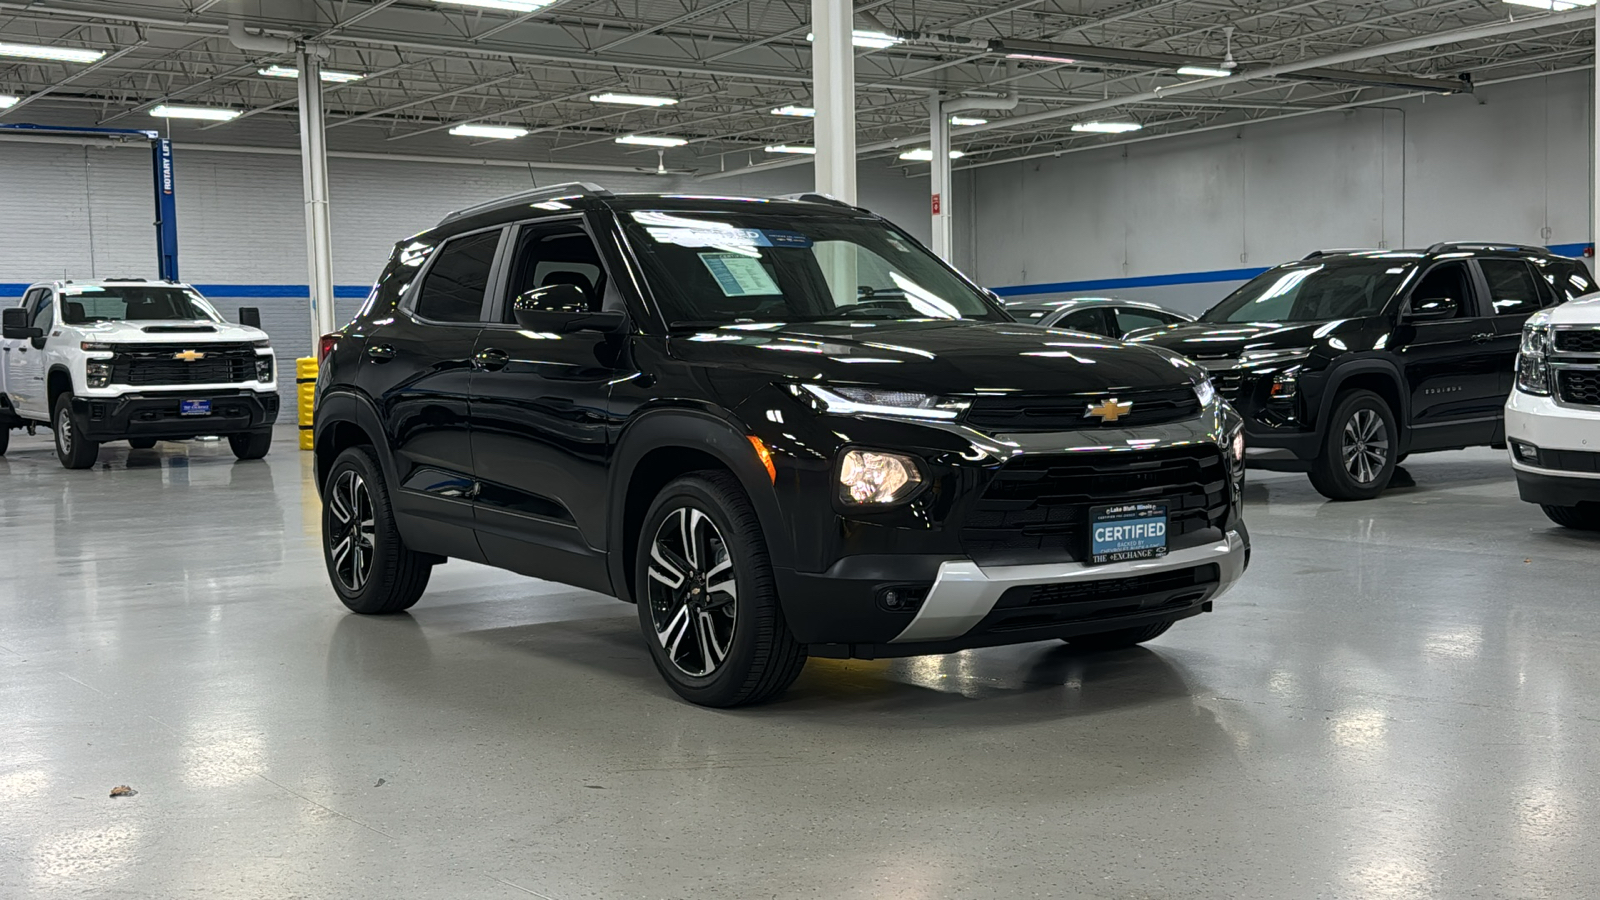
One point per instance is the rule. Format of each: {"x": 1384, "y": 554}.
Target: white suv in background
{"x": 134, "y": 360}
{"x": 1553, "y": 416}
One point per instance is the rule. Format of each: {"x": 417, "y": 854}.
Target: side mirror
{"x": 1431, "y": 309}
{"x": 250, "y": 316}
{"x": 14, "y": 325}
{"x": 563, "y": 309}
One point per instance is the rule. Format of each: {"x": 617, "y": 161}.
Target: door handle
{"x": 490, "y": 359}
{"x": 380, "y": 352}
{"x": 1482, "y": 337}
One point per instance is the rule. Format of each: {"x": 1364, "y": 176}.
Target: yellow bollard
{"x": 305, "y": 380}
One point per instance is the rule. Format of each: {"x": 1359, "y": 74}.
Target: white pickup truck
{"x": 132, "y": 360}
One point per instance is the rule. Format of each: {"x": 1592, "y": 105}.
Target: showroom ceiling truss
{"x": 570, "y": 77}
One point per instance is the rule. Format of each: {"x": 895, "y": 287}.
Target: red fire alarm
{"x": 936, "y": 204}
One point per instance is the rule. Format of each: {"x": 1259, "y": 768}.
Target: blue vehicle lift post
{"x": 161, "y": 172}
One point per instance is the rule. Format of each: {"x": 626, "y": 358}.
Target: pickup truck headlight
{"x": 263, "y": 369}
{"x": 1205, "y": 392}
{"x": 1533, "y": 377}
{"x": 877, "y": 477}
{"x": 97, "y": 372}
{"x": 881, "y": 402}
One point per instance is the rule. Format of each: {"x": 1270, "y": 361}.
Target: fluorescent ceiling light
{"x": 632, "y": 100}
{"x": 872, "y": 40}
{"x": 502, "y": 132}
{"x": 1107, "y": 127}
{"x": 213, "y": 113}
{"x": 1204, "y": 72}
{"x": 57, "y": 54}
{"x": 923, "y": 154}
{"x": 652, "y": 140}
{"x": 1041, "y": 57}
{"x": 967, "y": 120}
{"x": 805, "y": 112}
{"x": 322, "y": 74}
{"x": 790, "y": 148}
{"x": 1552, "y": 5}
{"x": 506, "y": 5}
{"x": 7, "y": 101}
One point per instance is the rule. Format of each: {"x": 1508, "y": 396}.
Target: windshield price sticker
{"x": 709, "y": 237}
{"x": 739, "y": 275}
{"x": 1127, "y": 532}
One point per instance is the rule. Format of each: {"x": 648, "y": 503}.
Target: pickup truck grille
{"x": 1060, "y": 412}
{"x": 1578, "y": 340}
{"x": 1037, "y": 507}
{"x": 158, "y": 364}
{"x": 1580, "y": 386}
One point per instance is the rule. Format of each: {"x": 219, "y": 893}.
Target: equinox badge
{"x": 1109, "y": 410}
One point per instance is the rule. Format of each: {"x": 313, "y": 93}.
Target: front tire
{"x": 371, "y": 568}
{"x": 251, "y": 444}
{"x": 72, "y": 448}
{"x": 708, "y": 602}
{"x": 1358, "y": 455}
{"x": 1585, "y": 517}
{"x": 1120, "y": 639}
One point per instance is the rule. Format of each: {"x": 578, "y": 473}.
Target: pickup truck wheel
{"x": 1585, "y": 517}
{"x": 141, "y": 443}
{"x": 251, "y": 444}
{"x": 1119, "y": 639}
{"x": 72, "y": 448}
{"x": 1358, "y": 450}
{"x": 372, "y": 570}
{"x": 708, "y": 603}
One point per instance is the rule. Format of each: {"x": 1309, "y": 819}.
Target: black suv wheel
{"x": 372, "y": 570}
{"x": 708, "y": 604}
{"x": 73, "y": 449}
{"x": 1584, "y": 517}
{"x": 1358, "y": 455}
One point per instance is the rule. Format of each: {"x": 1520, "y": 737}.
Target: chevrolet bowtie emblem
{"x": 189, "y": 355}
{"x": 1109, "y": 410}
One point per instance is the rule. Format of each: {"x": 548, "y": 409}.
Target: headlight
{"x": 1256, "y": 357}
{"x": 93, "y": 346}
{"x": 97, "y": 372}
{"x": 1532, "y": 375}
{"x": 264, "y": 343}
{"x": 263, "y": 369}
{"x": 874, "y": 477}
{"x": 878, "y": 402}
{"x": 1205, "y": 392}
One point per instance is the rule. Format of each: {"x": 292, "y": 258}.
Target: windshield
{"x": 83, "y": 304}
{"x": 1314, "y": 291}
{"x": 709, "y": 268}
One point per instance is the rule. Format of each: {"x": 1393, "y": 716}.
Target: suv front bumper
{"x": 1568, "y": 441}
{"x": 157, "y": 415}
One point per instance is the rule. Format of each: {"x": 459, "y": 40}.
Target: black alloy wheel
{"x": 1358, "y": 453}
{"x": 371, "y": 568}
{"x": 351, "y": 545}
{"x": 694, "y": 592}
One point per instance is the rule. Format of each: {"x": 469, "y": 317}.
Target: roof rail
{"x": 814, "y": 197}
{"x": 1318, "y": 254}
{"x": 1443, "y": 246}
{"x": 565, "y": 189}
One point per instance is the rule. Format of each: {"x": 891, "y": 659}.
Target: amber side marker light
{"x": 765, "y": 456}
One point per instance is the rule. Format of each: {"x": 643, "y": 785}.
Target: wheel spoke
{"x": 671, "y": 636}
{"x": 669, "y": 569}
{"x": 692, "y": 591}
{"x": 710, "y": 651}
{"x": 336, "y": 505}
{"x": 691, "y": 537}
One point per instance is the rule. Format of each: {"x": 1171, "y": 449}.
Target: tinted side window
{"x": 1088, "y": 321}
{"x": 1447, "y": 280}
{"x": 1131, "y": 319}
{"x": 1512, "y": 289}
{"x": 1568, "y": 280}
{"x": 454, "y": 287}
{"x": 43, "y": 311}
{"x": 555, "y": 253}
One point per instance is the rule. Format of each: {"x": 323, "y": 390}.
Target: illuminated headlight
{"x": 263, "y": 369}
{"x": 1532, "y": 375}
{"x": 97, "y": 372}
{"x": 1205, "y": 392}
{"x": 878, "y": 402}
{"x": 876, "y": 478}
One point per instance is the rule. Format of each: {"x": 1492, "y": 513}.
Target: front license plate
{"x": 1129, "y": 531}
{"x": 194, "y": 407}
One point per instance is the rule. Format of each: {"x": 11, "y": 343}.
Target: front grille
{"x": 1068, "y": 412}
{"x": 1580, "y": 386}
{"x": 1036, "y": 509}
{"x": 1053, "y": 606}
{"x": 1110, "y": 588}
{"x": 1578, "y": 340}
{"x": 156, "y": 364}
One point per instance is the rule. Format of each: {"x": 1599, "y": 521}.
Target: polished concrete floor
{"x": 1402, "y": 699}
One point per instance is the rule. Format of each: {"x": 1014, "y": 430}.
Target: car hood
{"x": 1583, "y": 311}
{"x": 1219, "y": 340}
{"x": 936, "y": 356}
{"x": 180, "y": 331}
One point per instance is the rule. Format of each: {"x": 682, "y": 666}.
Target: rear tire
{"x": 708, "y": 602}
{"x": 371, "y": 568}
{"x": 1585, "y": 517}
{"x": 141, "y": 443}
{"x": 251, "y": 444}
{"x": 1120, "y": 639}
{"x": 72, "y": 448}
{"x": 1358, "y": 456}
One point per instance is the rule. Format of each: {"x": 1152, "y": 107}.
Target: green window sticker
{"x": 739, "y": 275}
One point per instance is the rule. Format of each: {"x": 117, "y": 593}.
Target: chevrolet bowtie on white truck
{"x": 1553, "y": 416}
{"x": 133, "y": 360}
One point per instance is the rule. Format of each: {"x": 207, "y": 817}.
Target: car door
{"x": 1515, "y": 291}
{"x": 1089, "y": 321}
{"x": 539, "y": 416}
{"x": 1451, "y": 368}
{"x": 418, "y": 367}
{"x": 27, "y": 363}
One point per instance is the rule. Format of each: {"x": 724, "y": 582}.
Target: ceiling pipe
{"x": 263, "y": 43}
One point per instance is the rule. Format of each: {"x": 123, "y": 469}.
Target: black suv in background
{"x": 780, "y": 427}
{"x": 1346, "y": 361}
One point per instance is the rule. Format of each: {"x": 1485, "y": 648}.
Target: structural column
{"x": 939, "y": 176}
{"x": 833, "y": 80}
{"x": 314, "y": 170}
